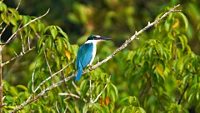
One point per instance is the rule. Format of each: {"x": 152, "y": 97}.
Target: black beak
{"x": 103, "y": 38}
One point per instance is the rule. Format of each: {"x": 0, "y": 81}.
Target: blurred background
{"x": 115, "y": 18}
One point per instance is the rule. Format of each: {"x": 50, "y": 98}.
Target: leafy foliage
{"x": 157, "y": 73}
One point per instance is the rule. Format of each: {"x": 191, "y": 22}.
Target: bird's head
{"x": 97, "y": 38}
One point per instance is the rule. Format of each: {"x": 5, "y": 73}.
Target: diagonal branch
{"x": 17, "y": 56}
{"x": 70, "y": 94}
{"x": 50, "y": 77}
{"x": 18, "y": 4}
{"x": 18, "y": 30}
{"x": 45, "y": 56}
{"x": 33, "y": 98}
{"x": 123, "y": 46}
{"x": 127, "y": 42}
{"x": 98, "y": 96}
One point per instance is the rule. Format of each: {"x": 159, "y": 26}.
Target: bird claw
{"x": 90, "y": 67}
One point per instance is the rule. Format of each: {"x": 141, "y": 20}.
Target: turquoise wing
{"x": 84, "y": 57}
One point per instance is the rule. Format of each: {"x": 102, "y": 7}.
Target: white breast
{"x": 94, "y": 42}
{"x": 93, "y": 53}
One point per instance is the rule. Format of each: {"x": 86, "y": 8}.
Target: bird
{"x": 86, "y": 54}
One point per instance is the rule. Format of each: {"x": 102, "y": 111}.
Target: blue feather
{"x": 84, "y": 57}
{"x": 79, "y": 73}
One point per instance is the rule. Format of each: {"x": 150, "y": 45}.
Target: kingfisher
{"x": 86, "y": 54}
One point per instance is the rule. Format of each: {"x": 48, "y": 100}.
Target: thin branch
{"x": 127, "y": 42}
{"x": 69, "y": 94}
{"x": 33, "y": 98}
{"x": 57, "y": 107}
{"x": 78, "y": 92}
{"x": 33, "y": 76}
{"x": 49, "y": 67}
{"x": 124, "y": 45}
{"x": 45, "y": 56}
{"x": 11, "y": 37}
{"x": 29, "y": 43}
{"x": 17, "y": 56}
{"x": 18, "y": 5}
{"x": 184, "y": 90}
{"x": 23, "y": 46}
{"x": 74, "y": 85}
{"x": 50, "y": 77}
{"x": 97, "y": 98}
{"x": 3, "y": 30}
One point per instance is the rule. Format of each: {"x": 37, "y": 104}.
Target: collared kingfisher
{"x": 86, "y": 53}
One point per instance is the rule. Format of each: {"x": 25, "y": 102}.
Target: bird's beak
{"x": 104, "y": 38}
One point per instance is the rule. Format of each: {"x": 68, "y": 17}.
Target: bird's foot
{"x": 90, "y": 67}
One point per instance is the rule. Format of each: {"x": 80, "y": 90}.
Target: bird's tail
{"x": 78, "y": 74}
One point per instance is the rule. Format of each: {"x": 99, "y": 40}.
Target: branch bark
{"x": 123, "y": 46}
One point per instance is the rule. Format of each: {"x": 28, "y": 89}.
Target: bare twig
{"x": 49, "y": 67}
{"x": 23, "y": 46}
{"x": 18, "y": 5}
{"x": 17, "y": 56}
{"x": 11, "y": 37}
{"x": 3, "y": 31}
{"x": 78, "y": 92}
{"x": 45, "y": 56}
{"x": 33, "y": 76}
{"x": 74, "y": 85}
{"x": 57, "y": 107}
{"x": 29, "y": 43}
{"x": 97, "y": 98}
{"x": 124, "y": 45}
{"x": 69, "y": 94}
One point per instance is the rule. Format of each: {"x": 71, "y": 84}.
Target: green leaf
{"x": 13, "y": 21}
{"x": 184, "y": 41}
{"x": 25, "y": 19}
{"x": 22, "y": 87}
{"x": 85, "y": 108}
{"x": 62, "y": 32}
{"x": 84, "y": 86}
{"x": 15, "y": 13}
{"x": 185, "y": 20}
{"x": 5, "y": 18}
{"x": 141, "y": 110}
{"x": 53, "y": 31}
{"x": 3, "y": 7}
{"x": 59, "y": 45}
{"x": 73, "y": 18}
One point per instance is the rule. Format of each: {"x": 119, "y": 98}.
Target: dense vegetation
{"x": 158, "y": 72}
